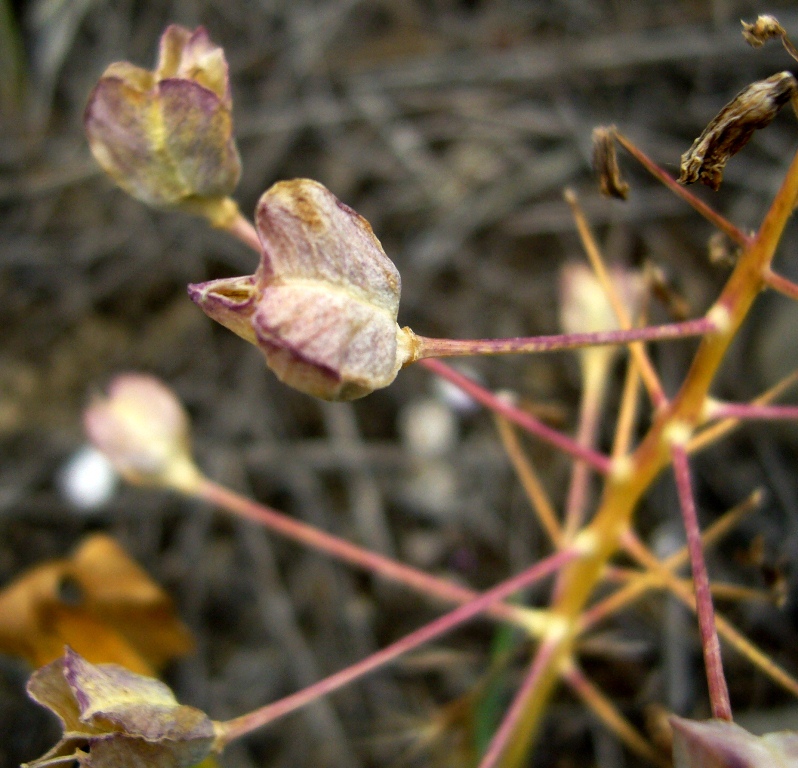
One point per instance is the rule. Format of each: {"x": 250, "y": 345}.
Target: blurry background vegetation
{"x": 453, "y": 126}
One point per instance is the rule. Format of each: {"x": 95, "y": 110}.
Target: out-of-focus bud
{"x": 754, "y": 107}
{"x": 721, "y": 744}
{"x": 584, "y": 306}
{"x": 112, "y": 717}
{"x": 605, "y": 162}
{"x": 142, "y": 429}
{"x": 166, "y": 136}
{"x": 323, "y": 304}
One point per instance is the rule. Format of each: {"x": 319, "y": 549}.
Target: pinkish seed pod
{"x": 142, "y": 429}
{"x": 113, "y": 717}
{"x": 322, "y": 305}
{"x": 721, "y": 744}
{"x": 166, "y": 136}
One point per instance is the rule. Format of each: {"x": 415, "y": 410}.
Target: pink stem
{"x": 513, "y": 715}
{"x": 598, "y": 461}
{"x": 341, "y": 549}
{"x": 737, "y": 235}
{"x": 718, "y": 690}
{"x": 462, "y": 347}
{"x": 233, "y": 729}
{"x": 782, "y": 285}
{"x": 750, "y": 412}
{"x": 243, "y": 229}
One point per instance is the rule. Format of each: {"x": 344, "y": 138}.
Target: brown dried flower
{"x": 754, "y": 107}
{"x": 323, "y": 303}
{"x": 605, "y": 161}
{"x": 114, "y": 718}
{"x": 763, "y": 29}
{"x": 721, "y": 744}
{"x": 166, "y": 136}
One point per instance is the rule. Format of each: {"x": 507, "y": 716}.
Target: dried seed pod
{"x": 166, "y": 136}
{"x": 322, "y": 305}
{"x": 113, "y": 717}
{"x": 605, "y": 161}
{"x": 754, "y": 107}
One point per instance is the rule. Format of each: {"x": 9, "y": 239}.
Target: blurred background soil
{"x": 453, "y": 127}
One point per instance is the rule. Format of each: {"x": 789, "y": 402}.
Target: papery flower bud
{"x": 114, "y": 718}
{"x": 323, "y": 304}
{"x": 721, "y": 744}
{"x": 142, "y": 429}
{"x": 166, "y": 136}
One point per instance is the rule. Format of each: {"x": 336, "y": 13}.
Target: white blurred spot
{"x": 453, "y": 396}
{"x": 87, "y": 480}
{"x": 428, "y": 427}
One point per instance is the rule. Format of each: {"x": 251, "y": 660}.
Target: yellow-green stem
{"x": 634, "y": 474}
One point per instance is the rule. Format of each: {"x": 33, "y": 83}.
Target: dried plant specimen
{"x": 754, "y": 107}
{"x": 605, "y": 161}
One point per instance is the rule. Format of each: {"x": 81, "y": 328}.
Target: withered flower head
{"x": 754, "y": 107}
{"x": 763, "y": 29}
{"x": 166, "y": 136}
{"x": 113, "y": 718}
{"x": 721, "y": 744}
{"x": 143, "y": 430}
{"x": 605, "y": 161}
{"x": 323, "y": 303}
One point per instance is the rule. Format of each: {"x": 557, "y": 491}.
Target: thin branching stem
{"x": 373, "y": 562}
{"x": 747, "y": 412}
{"x": 530, "y": 481}
{"x": 594, "y": 256}
{"x": 625, "y": 487}
{"x": 604, "y": 709}
{"x": 729, "y": 633}
{"x": 241, "y": 228}
{"x": 234, "y": 729}
{"x": 718, "y": 690}
{"x": 426, "y": 347}
{"x": 499, "y": 742}
{"x": 652, "y": 577}
{"x": 526, "y": 421}
{"x": 710, "y": 435}
{"x": 781, "y": 284}
{"x": 723, "y": 224}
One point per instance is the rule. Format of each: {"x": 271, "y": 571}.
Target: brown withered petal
{"x": 721, "y": 744}
{"x": 114, "y": 718}
{"x": 754, "y": 107}
{"x": 763, "y": 29}
{"x": 323, "y": 303}
{"x": 605, "y": 162}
